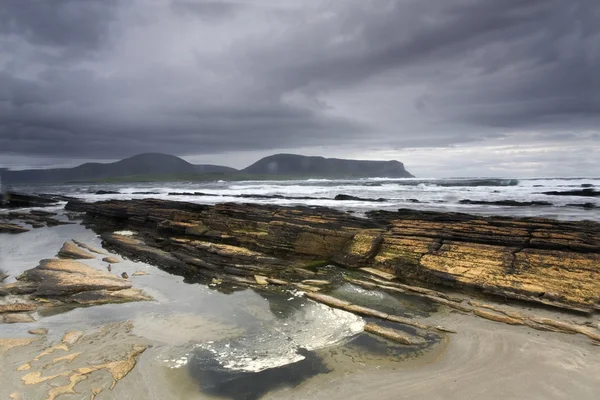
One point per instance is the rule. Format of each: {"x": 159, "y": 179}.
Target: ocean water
{"x": 422, "y": 194}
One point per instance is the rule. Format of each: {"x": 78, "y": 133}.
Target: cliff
{"x": 320, "y": 167}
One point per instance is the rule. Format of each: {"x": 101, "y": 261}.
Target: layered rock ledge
{"x": 538, "y": 260}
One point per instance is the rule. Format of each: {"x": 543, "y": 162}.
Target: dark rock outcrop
{"x": 107, "y": 192}
{"x": 35, "y": 218}
{"x": 22, "y": 200}
{"x": 538, "y": 260}
{"x": 506, "y": 203}
{"x": 587, "y": 206}
{"x": 348, "y": 197}
{"x": 588, "y": 192}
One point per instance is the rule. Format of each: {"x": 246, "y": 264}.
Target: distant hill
{"x": 150, "y": 167}
{"x": 148, "y": 164}
{"x": 320, "y": 167}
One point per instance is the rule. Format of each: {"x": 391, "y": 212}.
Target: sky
{"x": 449, "y": 87}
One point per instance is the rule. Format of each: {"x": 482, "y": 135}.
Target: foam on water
{"x": 417, "y": 193}
{"x": 277, "y": 343}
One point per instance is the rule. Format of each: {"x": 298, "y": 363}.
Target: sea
{"x": 466, "y": 195}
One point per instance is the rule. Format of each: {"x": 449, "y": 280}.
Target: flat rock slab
{"x": 16, "y": 318}
{"x": 381, "y": 274}
{"x": 17, "y": 306}
{"x": 6, "y": 227}
{"x": 67, "y": 277}
{"x": 393, "y": 334}
{"x": 70, "y": 250}
{"x": 88, "y": 247}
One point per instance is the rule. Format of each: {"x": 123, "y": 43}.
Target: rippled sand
{"x": 484, "y": 360}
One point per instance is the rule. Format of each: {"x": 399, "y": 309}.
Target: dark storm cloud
{"x": 61, "y": 23}
{"x": 110, "y": 79}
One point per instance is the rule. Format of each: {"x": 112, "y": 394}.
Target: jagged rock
{"x": 70, "y": 250}
{"x": 538, "y": 260}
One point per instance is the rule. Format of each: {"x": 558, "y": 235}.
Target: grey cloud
{"x": 204, "y": 77}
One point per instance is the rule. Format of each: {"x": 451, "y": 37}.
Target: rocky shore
{"x": 429, "y": 283}
{"x": 539, "y": 261}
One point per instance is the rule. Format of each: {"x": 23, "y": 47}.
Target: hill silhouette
{"x": 163, "y": 167}
{"x": 146, "y": 164}
{"x": 321, "y": 167}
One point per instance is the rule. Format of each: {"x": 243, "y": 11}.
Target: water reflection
{"x": 215, "y": 380}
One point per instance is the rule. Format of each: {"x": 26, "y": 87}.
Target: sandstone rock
{"x": 497, "y": 317}
{"x": 261, "y": 280}
{"x": 393, "y": 334}
{"x": 16, "y": 318}
{"x": 39, "y": 331}
{"x": 5, "y": 227}
{"x": 356, "y": 309}
{"x": 88, "y": 247}
{"x": 544, "y": 261}
{"x": 64, "y": 278}
{"x": 328, "y": 300}
{"x": 71, "y": 337}
{"x": 111, "y": 260}
{"x": 275, "y": 281}
{"x": 19, "y": 288}
{"x": 70, "y": 250}
{"x": 17, "y": 306}
{"x": 307, "y": 288}
{"x": 139, "y": 273}
{"x": 379, "y": 273}
{"x": 316, "y": 282}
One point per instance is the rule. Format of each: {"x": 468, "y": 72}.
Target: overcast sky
{"x": 449, "y": 87}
